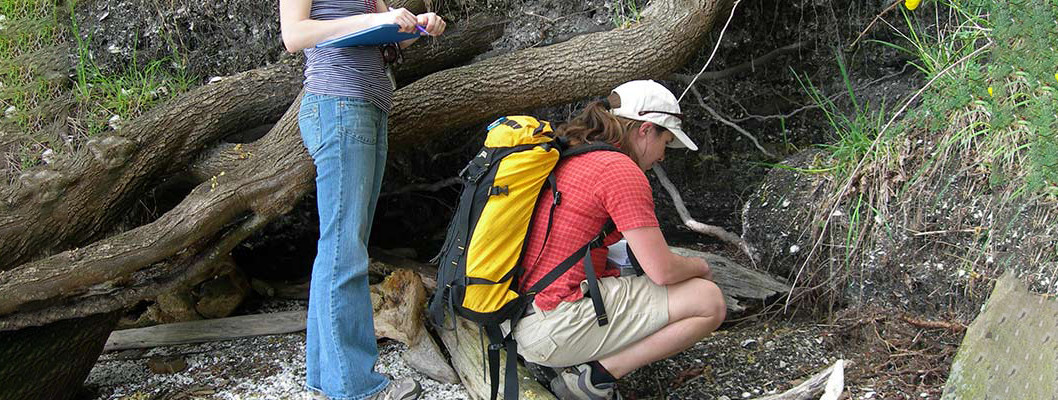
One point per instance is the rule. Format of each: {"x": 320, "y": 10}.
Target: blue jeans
{"x": 346, "y": 138}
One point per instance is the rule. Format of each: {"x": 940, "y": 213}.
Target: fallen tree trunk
{"x": 744, "y": 289}
{"x": 459, "y": 44}
{"x": 258, "y": 181}
{"x": 668, "y": 34}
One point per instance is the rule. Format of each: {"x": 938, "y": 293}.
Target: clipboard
{"x": 373, "y": 36}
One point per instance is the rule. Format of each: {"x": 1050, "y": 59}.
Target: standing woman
{"x": 343, "y": 125}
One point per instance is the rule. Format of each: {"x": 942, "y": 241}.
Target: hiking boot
{"x": 575, "y": 384}
{"x": 399, "y": 389}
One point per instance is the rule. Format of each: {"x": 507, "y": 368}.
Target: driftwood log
{"x": 831, "y": 381}
{"x": 464, "y": 346}
{"x": 744, "y": 289}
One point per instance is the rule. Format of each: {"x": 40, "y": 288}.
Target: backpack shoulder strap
{"x": 587, "y": 147}
{"x": 582, "y": 254}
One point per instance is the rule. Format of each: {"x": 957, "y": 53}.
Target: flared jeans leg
{"x": 346, "y": 138}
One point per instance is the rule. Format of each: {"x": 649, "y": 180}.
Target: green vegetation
{"x": 26, "y": 27}
{"x": 624, "y": 12}
{"x": 974, "y": 154}
{"x": 53, "y": 94}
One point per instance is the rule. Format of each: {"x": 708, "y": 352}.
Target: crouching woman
{"x": 673, "y": 305}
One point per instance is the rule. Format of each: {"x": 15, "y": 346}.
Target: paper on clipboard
{"x": 373, "y": 36}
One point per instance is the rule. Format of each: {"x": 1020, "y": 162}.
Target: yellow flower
{"x": 990, "y": 92}
{"x": 1056, "y": 76}
{"x": 911, "y": 4}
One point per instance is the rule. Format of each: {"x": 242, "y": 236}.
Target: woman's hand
{"x": 707, "y": 270}
{"x": 400, "y": 16}
{"x": 433, "y": 23}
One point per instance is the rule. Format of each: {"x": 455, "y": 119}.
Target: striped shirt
{"x": 347, "y": 71}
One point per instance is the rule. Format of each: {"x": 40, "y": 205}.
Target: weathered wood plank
{"x": 207, "y": 330}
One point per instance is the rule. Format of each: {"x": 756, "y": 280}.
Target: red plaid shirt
{"x": 595, "y": 187}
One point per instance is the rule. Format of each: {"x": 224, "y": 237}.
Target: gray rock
{"x": 1011, "y": 349}
{"x": 425, "y": 356}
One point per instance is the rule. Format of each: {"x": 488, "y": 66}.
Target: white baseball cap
{"x": 648, "y": 101}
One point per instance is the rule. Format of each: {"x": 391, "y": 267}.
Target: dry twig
{"x": 701, "y": 102}
{"x": 885, "y": 11}
{"x": 699, "y": 227}
{"x": 748, "y": 65}
{"x": 929, "y": 324}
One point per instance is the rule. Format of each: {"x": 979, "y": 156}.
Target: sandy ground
{"x": 744, "y": 360}
{"x": 264, "y": 367}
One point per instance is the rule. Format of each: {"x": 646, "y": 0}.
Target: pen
{"x": 419, "y": 27}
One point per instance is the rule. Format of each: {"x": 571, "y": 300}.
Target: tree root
{"x": 699, "y": 227}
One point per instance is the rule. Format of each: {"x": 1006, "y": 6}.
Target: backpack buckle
{"x": 498, "y": 190}
{"x": 597, "y": 242}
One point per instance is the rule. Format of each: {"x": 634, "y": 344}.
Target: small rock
{"x": 425, "y": 356}
{"x": 782, "y": 364}
{"x": 723, "y": 398}
{"x": 749, "y": 343}
{"x": 48, "y": 156}
{"x": 745, "y": 395}
{"x": 167, "y": 365}
{"x": 114, "y": 122}
{"x": 794, "y": 249}
{"x": 785, "y": 203}
{"x": 262, "y": 288}
{"x": 10, "y": 112}
{"x": 215, "y": 79}
{"x": 113, "y": 49}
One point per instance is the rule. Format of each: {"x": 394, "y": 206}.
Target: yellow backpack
{"x": 480, "y": 262}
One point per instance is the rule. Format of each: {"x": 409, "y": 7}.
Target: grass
{"x": 964, "y": 166}
{"x": 624, "y": 12}
{"x": 53, "y": 105}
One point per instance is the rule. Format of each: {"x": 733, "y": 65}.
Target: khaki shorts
{"x": 569, "y": 334}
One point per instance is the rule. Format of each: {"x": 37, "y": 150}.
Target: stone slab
{"x": 1011, "y": 350}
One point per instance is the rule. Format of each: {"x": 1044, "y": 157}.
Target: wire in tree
{"x": 717, "y": 46}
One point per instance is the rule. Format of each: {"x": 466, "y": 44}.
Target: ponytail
{"x": 596, "y": 124}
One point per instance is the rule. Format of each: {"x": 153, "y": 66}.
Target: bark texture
{"x": 28, "y": 367}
